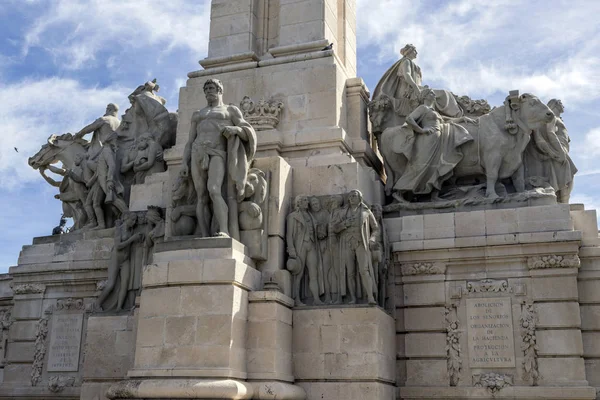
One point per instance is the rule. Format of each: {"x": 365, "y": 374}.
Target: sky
{"x": 62, "y": 61}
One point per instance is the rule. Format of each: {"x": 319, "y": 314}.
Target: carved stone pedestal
{"x": 109, "y": 352}
{"x": 195, "y": 333}
{"x": 488, "y": 305}
{"x": 345, "y": 352}
{"x": 52, "y": 291}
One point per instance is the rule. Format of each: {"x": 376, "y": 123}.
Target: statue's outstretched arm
{"x": 56, "y": 170}
{"x": 48, "y": 179}
{"x": 97, "y": 124}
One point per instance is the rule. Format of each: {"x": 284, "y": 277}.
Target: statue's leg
{"x": 297, "y": 281}
{"x": 492, "y": 165}
{"x": 120, "y": 205}
{"x": 313, "y": 276}
{"x": 199, "y": 177}
{"x": 327, "y": 267}
{"x": 518, "y": 179}
{"x": 125, "y": 270}
{"x": 89, "y": 209}
{"x": 336, "y": 267}
{"x": 99, "y": 196}
{"x": 362, "y": 256}
{"x": 81, "y": 215}
{"x": 383, "y": 282}
{"x": 216, "y": 175}
{"x": 351, "y": 271}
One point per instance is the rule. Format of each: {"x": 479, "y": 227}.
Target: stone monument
{"x": 253, "y": 252}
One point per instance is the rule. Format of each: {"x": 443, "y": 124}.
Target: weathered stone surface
{"x": 343, "y": 343}
{"x": 110, "y": 347}
{"x": 426, "y": 373}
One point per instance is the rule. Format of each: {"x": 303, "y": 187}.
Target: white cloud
{"x": 33, "y": 110}
{"x": 587, "y": 150}
{"x": 591, "y": 143}
{"x": 478, "y": 47}
{"x": 88, "y": 28}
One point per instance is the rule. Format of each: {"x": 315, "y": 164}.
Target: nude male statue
{"x": 220, "y": 149}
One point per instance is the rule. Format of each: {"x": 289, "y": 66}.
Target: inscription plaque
{"x": 490, "y": 333}
{"x": 65, "y": 342}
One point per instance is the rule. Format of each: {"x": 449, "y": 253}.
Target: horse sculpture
{"x": 70, "y": 152}
{"x": 61, "y": 148}
{"x": 496, "y": 151}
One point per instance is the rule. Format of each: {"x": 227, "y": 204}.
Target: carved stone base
{"x": 198, "y": 335}
{"x": 172, "y": 389}
{"x": 345, "y": 352}
{"x": 534, "y": 197}
{"x": 489, "y": 301}
{"x": 511, "y": 392}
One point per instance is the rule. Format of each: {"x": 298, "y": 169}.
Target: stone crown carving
{"x": 554, "y": 261}
{"x": 262, "y": 115}
{"x": 489, "y": 285}
{"x": 423, "y": 268}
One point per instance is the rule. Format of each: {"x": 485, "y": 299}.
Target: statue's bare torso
{"x": 210, "y": 121}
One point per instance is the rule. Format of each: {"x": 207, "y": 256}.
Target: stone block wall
{"x": 194, "y": 311}
{"x": 344, "y": 352}
{"x": 109, "y": 352}
{"x": 54, "y": 287}
{"x": 529, "y": 259}
{"x": 588, "y": 286}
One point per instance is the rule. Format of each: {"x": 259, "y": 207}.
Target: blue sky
{"x": 62, "y": 61}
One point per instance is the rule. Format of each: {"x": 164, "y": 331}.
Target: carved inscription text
{"x": 65, "y": 342}
{"x": 490, "y": 333}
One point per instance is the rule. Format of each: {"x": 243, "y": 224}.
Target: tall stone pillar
{"x": 233, "y": 28}
{"x": 272, "y": 50}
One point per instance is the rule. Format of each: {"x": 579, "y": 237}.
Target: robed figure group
{"x": 338, "y": 254}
